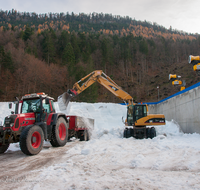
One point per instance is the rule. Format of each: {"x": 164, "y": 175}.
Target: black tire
{"x": 84, "y": 135}
{"x": 31, "y": 140}
{"x": 148, "y": 132}
{"x": 124, "y": 134}
{"x": 59, "y": 134}
{"x": 3, "y": 148}
{"x": 152, "y": 132}
{"x": 128, "y": 133}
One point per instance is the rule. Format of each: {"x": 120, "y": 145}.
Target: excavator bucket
{"x": 64, "y": 99}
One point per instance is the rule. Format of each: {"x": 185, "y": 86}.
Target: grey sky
{"x": 180, "y": 14}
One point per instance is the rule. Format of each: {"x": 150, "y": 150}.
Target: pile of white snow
{"x": 171, "y": 160}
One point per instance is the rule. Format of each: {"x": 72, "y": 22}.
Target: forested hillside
{"x": 50, "y": 52}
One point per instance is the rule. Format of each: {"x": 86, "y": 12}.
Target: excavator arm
{"x": 100, "y": 77}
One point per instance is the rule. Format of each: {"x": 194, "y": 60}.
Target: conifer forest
{"x": 50, "y": 52}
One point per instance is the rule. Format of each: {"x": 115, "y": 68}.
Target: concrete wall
{"x": 183, "y": 107}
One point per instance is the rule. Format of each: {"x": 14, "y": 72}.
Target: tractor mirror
{"x": 10, "y": 105}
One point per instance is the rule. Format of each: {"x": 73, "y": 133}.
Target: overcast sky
{"x": 180, "y": 14}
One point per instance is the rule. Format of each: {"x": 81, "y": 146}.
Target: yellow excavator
{"x": 195, "y": 61}
{"x": 138, "y": 117}
{"x": 176, "y": 81}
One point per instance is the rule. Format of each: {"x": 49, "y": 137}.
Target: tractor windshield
{"x": 31, "y": 105}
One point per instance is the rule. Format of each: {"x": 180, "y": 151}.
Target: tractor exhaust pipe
{"x": 64, "y": 99}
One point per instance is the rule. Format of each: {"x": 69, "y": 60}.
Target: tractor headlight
{"x": 12, "y": 124}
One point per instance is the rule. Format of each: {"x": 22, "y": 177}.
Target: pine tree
{"x": 8, "y": 62}
{"x": 143, "y": 47}
{"x": 68, "y": 58}
{"x": 63, "y": 39}
{"x": 27, "y": 33}
{"x": 48, "y": 47}
{"x": 75, "y": 45}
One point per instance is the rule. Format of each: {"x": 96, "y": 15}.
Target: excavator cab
{"x": 135, "y": 112}
{"x": 140, "y": 110}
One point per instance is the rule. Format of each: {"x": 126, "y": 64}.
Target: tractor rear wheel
{"x": 3, "y": 148}
{"x": 59, "y": 134}
{"x": 31, "y": 140}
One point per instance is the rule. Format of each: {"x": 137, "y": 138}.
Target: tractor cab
{"x": 38, "y": 103}
{"x": 32, "y": 108}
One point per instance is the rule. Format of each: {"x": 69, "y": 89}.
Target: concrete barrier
{"x": 183, "y": 107}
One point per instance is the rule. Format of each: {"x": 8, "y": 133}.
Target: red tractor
{"x": 35, "y": 122}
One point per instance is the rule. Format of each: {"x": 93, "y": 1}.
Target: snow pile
{"x": 107, "y": 116}
{"x": 171, "y": 160}
{"x": 5, "y": 111}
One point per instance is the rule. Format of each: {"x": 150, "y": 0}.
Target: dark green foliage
{"x": 68, "y": 54}
{"x": 48, "y": 47}
{"x": 151, "y": 43}
{"x": 91, "y": 93}
{"x": 75, "y": 45}
{"x": 143, "y": 47}
{"x": 27, "y": 33}
{"x": 6, "y": 60}
{"x": 63, "y": 39}
{"x": 68, "y": 58}
{"x": 84, "y": 47}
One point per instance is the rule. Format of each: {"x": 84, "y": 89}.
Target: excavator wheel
{"x": 3, "y": 148}
{"x": 148, "y": 132}
{"x": 59, "y": 133}
{"x": 128, "y": 132}
{"x": 31, "y": 140}
{"x": 152, "y": 132}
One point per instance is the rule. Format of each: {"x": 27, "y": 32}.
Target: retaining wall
{"x": 183, "y": 107}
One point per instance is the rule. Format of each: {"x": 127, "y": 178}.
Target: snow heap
{"x": 108, "y": 161}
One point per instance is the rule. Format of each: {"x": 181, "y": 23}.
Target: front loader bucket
{"x": 64, "y": 99}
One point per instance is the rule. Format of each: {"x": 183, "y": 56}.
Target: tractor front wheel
{"x": 31, "y": 140}
{"x": 4, "y": 147}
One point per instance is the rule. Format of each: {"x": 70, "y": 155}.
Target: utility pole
{"x": 158, "y": 92}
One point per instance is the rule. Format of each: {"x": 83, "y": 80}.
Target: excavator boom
{"x": 95, "y": 76}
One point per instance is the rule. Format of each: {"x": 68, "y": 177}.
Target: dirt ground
{"x": 16, "y": 168}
